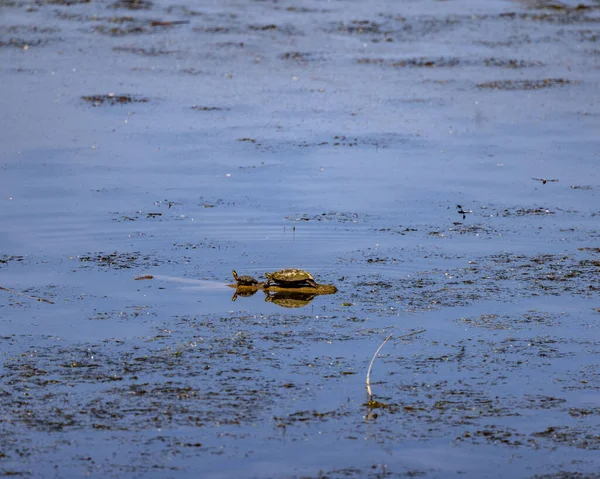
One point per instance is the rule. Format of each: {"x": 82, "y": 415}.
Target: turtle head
{"x": 269, "y": 275}
{"x": 235, "y": 275}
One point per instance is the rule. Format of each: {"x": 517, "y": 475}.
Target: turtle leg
{"x": 312, "y": 282}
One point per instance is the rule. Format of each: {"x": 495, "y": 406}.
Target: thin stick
{"x": 377, "y": 352}
{"x": 371, "y": 365}
{"x": 26, "y": 295}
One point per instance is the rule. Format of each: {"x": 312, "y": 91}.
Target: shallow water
{"x": 394, "y": 149}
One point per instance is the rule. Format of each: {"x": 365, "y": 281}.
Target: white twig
{"x": 377, "y": 352}
{"x": 371, "y": 365}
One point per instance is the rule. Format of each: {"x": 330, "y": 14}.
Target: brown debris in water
{"x": 525, "y": 84}
{"x": 113, "y": 99}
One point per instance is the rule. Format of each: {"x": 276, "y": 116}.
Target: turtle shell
{"x": 290, "y": 275}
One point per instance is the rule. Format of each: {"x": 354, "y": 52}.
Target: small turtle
{"x": 291, "y": 277}
{"x": 244, "y": 280}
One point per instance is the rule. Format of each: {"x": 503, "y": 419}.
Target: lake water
{"x": 436, "y": 161}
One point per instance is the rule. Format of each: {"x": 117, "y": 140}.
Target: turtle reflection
{"x": 289, "y": 299}
{"x": 244, "y": 292}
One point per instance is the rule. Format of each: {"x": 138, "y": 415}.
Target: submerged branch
{"x": 26, "y": 295}
{"x": 319, "y": 289}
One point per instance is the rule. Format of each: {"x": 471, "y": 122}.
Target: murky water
{"x": 436, "y": 161}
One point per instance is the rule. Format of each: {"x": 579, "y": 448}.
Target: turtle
{"x": 291, "y": 277}
{"x": 244, "y": 280}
